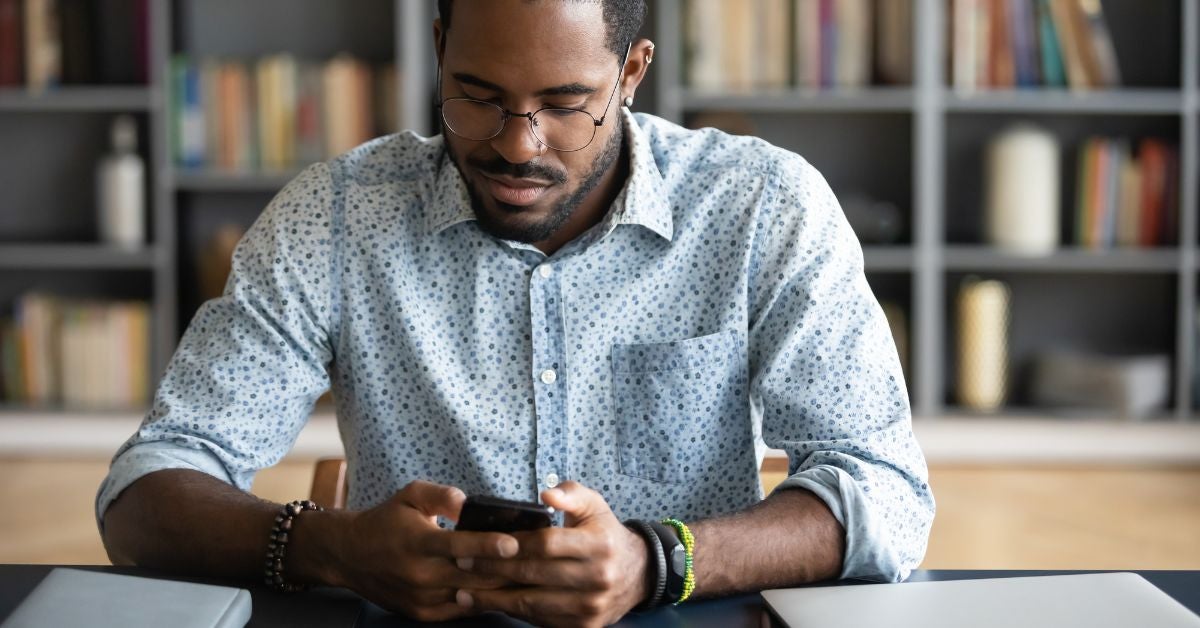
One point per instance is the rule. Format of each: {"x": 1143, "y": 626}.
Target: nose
{"x": 516, "y": 142}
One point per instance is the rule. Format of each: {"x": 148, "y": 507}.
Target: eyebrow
{"x": 570, "y": 89}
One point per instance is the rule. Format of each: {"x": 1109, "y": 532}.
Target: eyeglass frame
{"x": 508, "y": 115}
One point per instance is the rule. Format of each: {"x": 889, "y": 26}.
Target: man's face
{"x": 524, "y": 56}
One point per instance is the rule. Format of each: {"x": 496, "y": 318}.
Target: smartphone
{"x": 482, "y": 513}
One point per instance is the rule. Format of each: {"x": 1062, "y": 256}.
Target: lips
{"x": 515, "y": 191}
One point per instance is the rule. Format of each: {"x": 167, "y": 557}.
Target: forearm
{"x": 188, "y": 522}
{"x": 789, "y": 538}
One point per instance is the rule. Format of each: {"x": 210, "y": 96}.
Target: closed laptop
{"x": 1106, "y": 600}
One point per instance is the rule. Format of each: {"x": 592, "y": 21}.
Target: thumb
{"x": 579, "y": 503}
{"x": 433, "y": 500}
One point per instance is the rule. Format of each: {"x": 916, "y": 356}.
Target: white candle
{"x": 1023, "y": 178}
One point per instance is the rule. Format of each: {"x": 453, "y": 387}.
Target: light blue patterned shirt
{"x": 718, "y": 309}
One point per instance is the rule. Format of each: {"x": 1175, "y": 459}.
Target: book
{"x": 772, "y": 36}
{"x": 43, "y": 45}
{"x": 1068, "y": 38}
{"x": 808, "y": 43}
{"x": 964, "y": 65}
{"x": 983, "y": 43}
{"x": 829, "y": 43}
{"x": 894, "y": 49}
{"x": 1129, "y": 220}
{"x": 738, "y": 61}
{"x": 1002, "y": 72}
{"x": 11, "y": 58}
{"x": 1020, "y": 44}
{"x": 704, "y": 44}
{"x": 854, "y": 43}
{"x": 1050, "y": 51}
{"x": 1102, "y": 55}
{"x": 1153, "y": 160}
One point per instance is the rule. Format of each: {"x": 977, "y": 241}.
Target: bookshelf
{"x": 916, "y": 145}
{"x": 1135, "y": 299}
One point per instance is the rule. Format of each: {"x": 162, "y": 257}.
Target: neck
{"x": 594, "y": 207}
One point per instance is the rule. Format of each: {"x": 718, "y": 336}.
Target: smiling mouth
{"x": 513, "y": 191}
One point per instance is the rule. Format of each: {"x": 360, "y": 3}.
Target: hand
{"x": 396, "y": 555}
{"x": 589, "y": 573}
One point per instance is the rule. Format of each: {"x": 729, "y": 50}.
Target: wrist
{"x": 318, "y": 549}
{"x": 651, "y": 576}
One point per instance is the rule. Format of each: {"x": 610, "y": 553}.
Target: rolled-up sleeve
{"x": 252, "y": 362}
{"x": 826, "y": 380}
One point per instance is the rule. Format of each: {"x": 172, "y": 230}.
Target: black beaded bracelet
{"x": 656, "y": 560}
{"x": 277, "y": 545}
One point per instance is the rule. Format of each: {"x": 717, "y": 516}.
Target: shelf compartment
{"x": 312, "y": 29}
{"x": 1129, "y": 260}
{"x": 1111, "y": 102}
{"x": 874, "y": 162}
{"x": 227, "y": 181}
{"x": 75, "y": 98}
{"x": 75, "y": 256}
{"x": 888, "y": 258}
{"x": 868, "y": 99}
{"x": 1106, "y": 314}
{"x": 49, "y": 186}
{"x": 968, "y": 136}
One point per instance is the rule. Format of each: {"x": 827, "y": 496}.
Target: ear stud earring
{"x": 628, "y": 101}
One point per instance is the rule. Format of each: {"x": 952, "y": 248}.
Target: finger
{"x": 434, "y": 499}
{"x": 566, "y": 573}
{"x": 437, "y": 612}
{"x": 455, "y": 544}
{"x": 420, "y": 597}
{"x": 561, "y": 543}
{"x": 578, "y": 502}
{"x": 445, "y": 573}
{"x": 529, "y": 603}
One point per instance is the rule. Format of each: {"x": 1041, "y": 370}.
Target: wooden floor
{"x": 988, "y": 518}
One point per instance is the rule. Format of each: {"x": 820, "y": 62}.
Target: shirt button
{"x": 545, "y": 271}
{"x": 551, "y": 480}
{"x": 549, "y": 376}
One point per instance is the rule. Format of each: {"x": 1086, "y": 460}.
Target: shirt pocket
{"x": 668, "y": 402}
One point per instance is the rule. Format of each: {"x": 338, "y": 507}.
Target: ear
{"x": 439, "y": 39}
{"x": 641, "y": 53}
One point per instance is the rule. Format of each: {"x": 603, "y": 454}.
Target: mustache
{"x": 527, "y": 170}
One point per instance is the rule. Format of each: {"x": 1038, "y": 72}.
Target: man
{"x": 555, "y": 299}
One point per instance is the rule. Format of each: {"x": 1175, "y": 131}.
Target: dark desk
{"x": 335, "y": 608}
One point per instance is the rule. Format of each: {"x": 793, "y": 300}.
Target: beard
{"x": 518, "y": 230}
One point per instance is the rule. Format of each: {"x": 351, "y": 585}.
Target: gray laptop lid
{"x": 71, "y": 597}
{"x": 1116, "y": 600}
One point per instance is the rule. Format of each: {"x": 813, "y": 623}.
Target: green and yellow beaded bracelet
{"x": 689, "y": 544}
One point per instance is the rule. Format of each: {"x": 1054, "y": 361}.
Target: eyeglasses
{"x": 560, "y": 128}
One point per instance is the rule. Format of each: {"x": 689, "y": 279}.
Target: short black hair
{"x": 622, "y": 21}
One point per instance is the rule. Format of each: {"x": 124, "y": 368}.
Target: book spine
{"x": 1068, "y": 40}
{"x": 1107, "y": 72}
{"x": 11, "y": 58}
{"x": 1021, "y": 44}
{"x": 1053, "y": 73}
{"x": 829, "y": 43}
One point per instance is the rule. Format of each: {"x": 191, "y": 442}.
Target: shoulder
{"x": 397, "y": 158}
{"x": 679, "y": 151}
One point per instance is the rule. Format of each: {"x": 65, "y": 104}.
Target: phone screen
{"x": 482, "y": 513}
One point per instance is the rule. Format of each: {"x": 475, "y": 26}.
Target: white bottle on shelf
{"x": 121, "y": 189}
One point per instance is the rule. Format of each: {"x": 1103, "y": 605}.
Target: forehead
{"x": 528, "y": 45}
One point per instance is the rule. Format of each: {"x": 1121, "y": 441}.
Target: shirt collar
{"x": 642, "y": 202}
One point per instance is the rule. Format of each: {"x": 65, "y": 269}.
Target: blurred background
{"x": 1022, "y": 174}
